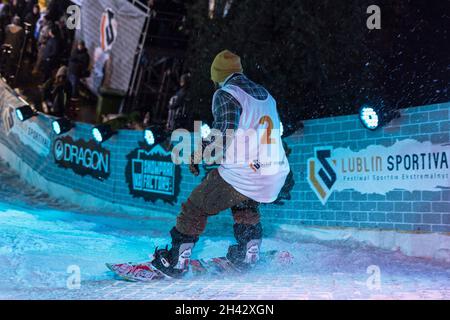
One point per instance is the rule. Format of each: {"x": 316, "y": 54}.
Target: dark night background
{"x": 319, "y": 59}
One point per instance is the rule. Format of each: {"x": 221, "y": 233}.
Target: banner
{"x": 82, "y": 157}
{"x": 111, "y": 30}
{"x": 30, "y": 133}
{"x": 152, "y": 175}
{"x": 408, "y": 165}
{"x": 33, "y": 136}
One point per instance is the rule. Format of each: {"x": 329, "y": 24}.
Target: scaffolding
{"x": 159, "y": 66}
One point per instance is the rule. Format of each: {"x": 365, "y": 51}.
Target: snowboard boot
{"x": 245, "y": 254}
{"x": 175, "y": 262}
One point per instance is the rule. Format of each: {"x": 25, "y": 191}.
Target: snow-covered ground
{"x": 43, "y": 241}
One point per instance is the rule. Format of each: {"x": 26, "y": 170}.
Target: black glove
{"x": 193, "y": 167}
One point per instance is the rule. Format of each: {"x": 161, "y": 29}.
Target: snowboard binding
{"x": 171, "y": 264}
{"x": 175, "y": 262}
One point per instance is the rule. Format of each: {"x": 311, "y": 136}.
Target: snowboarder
{"x": 238, "y": 103}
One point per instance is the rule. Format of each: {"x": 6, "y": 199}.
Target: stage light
{"x": 102, "y": 133}
{"x": 24, "y": 113}
{"x": 369, "y": 117}
{"x": 373, "y": 117}
{"x": 149, "y": 137}
{"x": 155, "y": 134}
{"x": 61, "y": 126}
{"x": 205, "y": 130}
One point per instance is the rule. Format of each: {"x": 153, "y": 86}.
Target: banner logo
{"x": 83, "y": 158}
{"x": 152, "y": 175}
{"x": 407, "y": 165}
{"x": 321, "y": 173}
{"x": 108, "y": 29}
{"x": 59, "y": 150}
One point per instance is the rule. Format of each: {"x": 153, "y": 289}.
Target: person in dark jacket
{"x": 50, "y": 54}
{"x": 17, "y": 8}
{"x": 5, "y": 19}
{"x": 56, "y": 94}
{"x": 44, "y": 26}
{"x": 14, "y": 37}
{"x": 32, "y": 19}
{"x": 29, "y": 6}
{"x": 57, "y": 8}
{"x": 177, "y": 104}
{"x": 78, "y": 67}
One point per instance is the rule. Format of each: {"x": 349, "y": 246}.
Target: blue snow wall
{"x": 394, "y": 178}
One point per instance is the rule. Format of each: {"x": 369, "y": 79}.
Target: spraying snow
{"x": 41, "y": 239}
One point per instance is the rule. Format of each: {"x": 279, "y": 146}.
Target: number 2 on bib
{"x": 266, "y": 137}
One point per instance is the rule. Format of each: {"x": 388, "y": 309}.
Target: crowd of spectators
{"x": 36, "y": 42}
{"x": 37, "y": 39}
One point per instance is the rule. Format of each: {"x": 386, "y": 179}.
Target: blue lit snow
{"x": 41, "y": 237}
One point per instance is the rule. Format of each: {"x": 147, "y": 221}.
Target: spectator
{"x": 17, "y": 8}
{"x": 44, "y": 26}
{"x": 5, "y": 19}
{"x": 56, "y": 93}
{"x": 57, "y": 8}
{"x": 14, "y": 37}
{"x": 32, "y": 18}
{"x": 50, "y": 55}
{"x": 29, "y": 6}
{"x": 78, "y": 67}
{"x": 177, "y": 109}
{"x": 135, "y": 122}
{"x": 147, "y": 119}
{"x": 65, "y": 38}
{"x": 101, "y": 69}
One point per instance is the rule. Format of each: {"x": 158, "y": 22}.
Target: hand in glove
{"x": 193, "y": 167}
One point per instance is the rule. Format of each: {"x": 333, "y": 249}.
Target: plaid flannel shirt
{"x": 227, "y": 110}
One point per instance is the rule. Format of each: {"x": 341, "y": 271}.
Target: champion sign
{"x": 151, "y": 174}
{"x": 407, "y": 165}
{"x": 84, "y": 158}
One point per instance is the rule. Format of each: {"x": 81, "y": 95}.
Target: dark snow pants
{"x": 209, "y": 198}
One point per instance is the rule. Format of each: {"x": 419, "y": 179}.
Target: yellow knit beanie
{"x": 225, "y": 64}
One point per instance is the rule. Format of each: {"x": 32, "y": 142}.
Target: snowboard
{"x": 145, "y": 271}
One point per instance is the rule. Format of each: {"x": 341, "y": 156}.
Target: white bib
{"x": 255, "y": 162}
